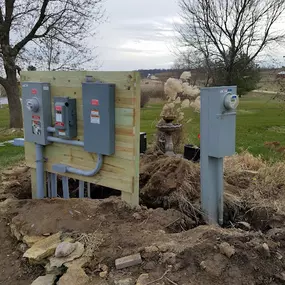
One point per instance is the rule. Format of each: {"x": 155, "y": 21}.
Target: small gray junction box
{"x": 99, "y": 117}
{"x": 37, "y": 111}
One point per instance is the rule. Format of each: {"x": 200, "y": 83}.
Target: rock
{"x": 43, "y": 248}
{"x": 80, "y": 262}
{"x": 137, "y": 216}
{"x": 149, "y": 265}
{"x": 244, "y": 226}
{"x": 126, "y": 281}
{"x": 22, "y": 247}
{"x": 57, "y": 262}
{"x": 203, "y": 265}
{"x": 74, "y": 276}
{"x": 266, "y": 249}
{"x": 279, "y": 255}
{"x": 45, "y": 280}
{"x": 143, "y": 279}
{"x": 31, "y": 240}
{"x": 64, "y": 249}
{"x": 227, "y": 249}
{"x": 103, "y": 274}
{"x": 169, "y": 258}
{"x": 103, "y": 267}
{"x": 128, "y": 261}
{"x": 150, "y": 249}
{"x": 54, "y": 270}
{"x": 15, "y": 231}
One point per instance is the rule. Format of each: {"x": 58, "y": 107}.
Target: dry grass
{"x": 152, "y": 88}
{"x": 251, "y": 185}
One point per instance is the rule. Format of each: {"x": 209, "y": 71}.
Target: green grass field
{"x": 9, "y": 154}
{"x": 259, "y": 120}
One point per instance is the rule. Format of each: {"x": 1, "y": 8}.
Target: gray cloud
{"x": 137, "y": 34}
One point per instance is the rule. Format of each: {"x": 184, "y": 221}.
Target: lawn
{"x": 9, "y": 154}
{"x": 259, "y": 119}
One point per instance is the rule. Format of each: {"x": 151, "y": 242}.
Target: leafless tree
{"x": 223, "y": 30}
{"x": 23, "y": 22}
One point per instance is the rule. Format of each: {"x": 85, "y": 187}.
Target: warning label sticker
{"x": 58, "y": 117}
{"x": 95, "y": 102}
{"x": 94, "y": 117}
{"x": 36, "y": 128}
{"x": 61, "y": 133}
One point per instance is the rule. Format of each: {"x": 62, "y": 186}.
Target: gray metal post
{"x": 81, "y": 189}
{"x": 65, "y": 187}
{"x": 217, "y": 129}
{"x": 40, "y": 171}
{"x": 53, "y": 185}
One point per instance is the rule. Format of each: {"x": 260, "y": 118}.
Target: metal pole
{"x": 65, "y": 187}
{"x": 40, "y": 171}
{"x": 53, "y": 185}
{"x": 81, "y": 189}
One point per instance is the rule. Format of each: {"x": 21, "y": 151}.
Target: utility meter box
{"x": 99, "y": 117}
{"x": 218, "y": 116}
{"x": 36, "y": 100}
{"x": 65, "y": 117}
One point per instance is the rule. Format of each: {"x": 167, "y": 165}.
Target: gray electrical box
{"x": 65, "y": 117}
{"x": 220, "y": 113}
{"x": 37, "y": 111}
{"x": 99, "y": 117}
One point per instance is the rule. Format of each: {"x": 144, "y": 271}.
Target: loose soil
{"x": 168, "y": 231}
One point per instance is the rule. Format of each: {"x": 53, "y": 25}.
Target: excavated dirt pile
{"x": 161, "y": 242}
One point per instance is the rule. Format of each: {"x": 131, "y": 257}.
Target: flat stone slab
{"x": 74, "y": 276}
{"x": 128, "y": 261}
{"x": 43, "y": 248}
{"x": 45, "y": 280}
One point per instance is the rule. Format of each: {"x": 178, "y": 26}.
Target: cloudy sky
{"x": 138, "y": 34}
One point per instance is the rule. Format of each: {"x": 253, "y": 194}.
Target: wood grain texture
{"x": 121, "y": 170}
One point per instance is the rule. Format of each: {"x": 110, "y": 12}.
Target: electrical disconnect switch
{"x": 65, "y": 117}
{"x": 99, "y": 117}
{"x": 37, "y": 111}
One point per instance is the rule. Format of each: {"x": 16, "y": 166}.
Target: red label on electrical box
{"x": 58, "y": 108}
{"x": 59, "y": 124}
{"x": 95, "y": 102}
{"x": 34, "y": 91}
{"x": 36, "y": 117}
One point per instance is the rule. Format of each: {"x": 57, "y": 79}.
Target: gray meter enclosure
{"x": 37, "y": 111}
{"x": 65, "y": 117}
{"x": 99, "y": 117}
{"x": 218, "y": 121}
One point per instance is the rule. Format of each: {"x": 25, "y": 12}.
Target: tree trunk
{"x": 13, "y": 95}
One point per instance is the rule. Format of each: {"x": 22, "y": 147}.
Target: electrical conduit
{"x": 61, "y": 168}
{"x": 40, "y": 171}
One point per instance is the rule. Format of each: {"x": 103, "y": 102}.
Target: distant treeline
{"x": 145, "y": 72}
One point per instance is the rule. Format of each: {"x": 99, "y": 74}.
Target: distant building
{"x": 281, "y": 74}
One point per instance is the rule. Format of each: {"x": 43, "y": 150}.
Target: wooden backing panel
{"x": 120, "y": 171}
{"x": 73, "y": 156}
{"x": 123, "y": 80}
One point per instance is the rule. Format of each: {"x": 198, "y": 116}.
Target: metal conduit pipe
{"x": 87, "y": 172}
{"x": 40, "y": 171}
{"x": 51, "y": 129}
{"x": 62, "y": 168}
{"x": 59, "y": 140}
